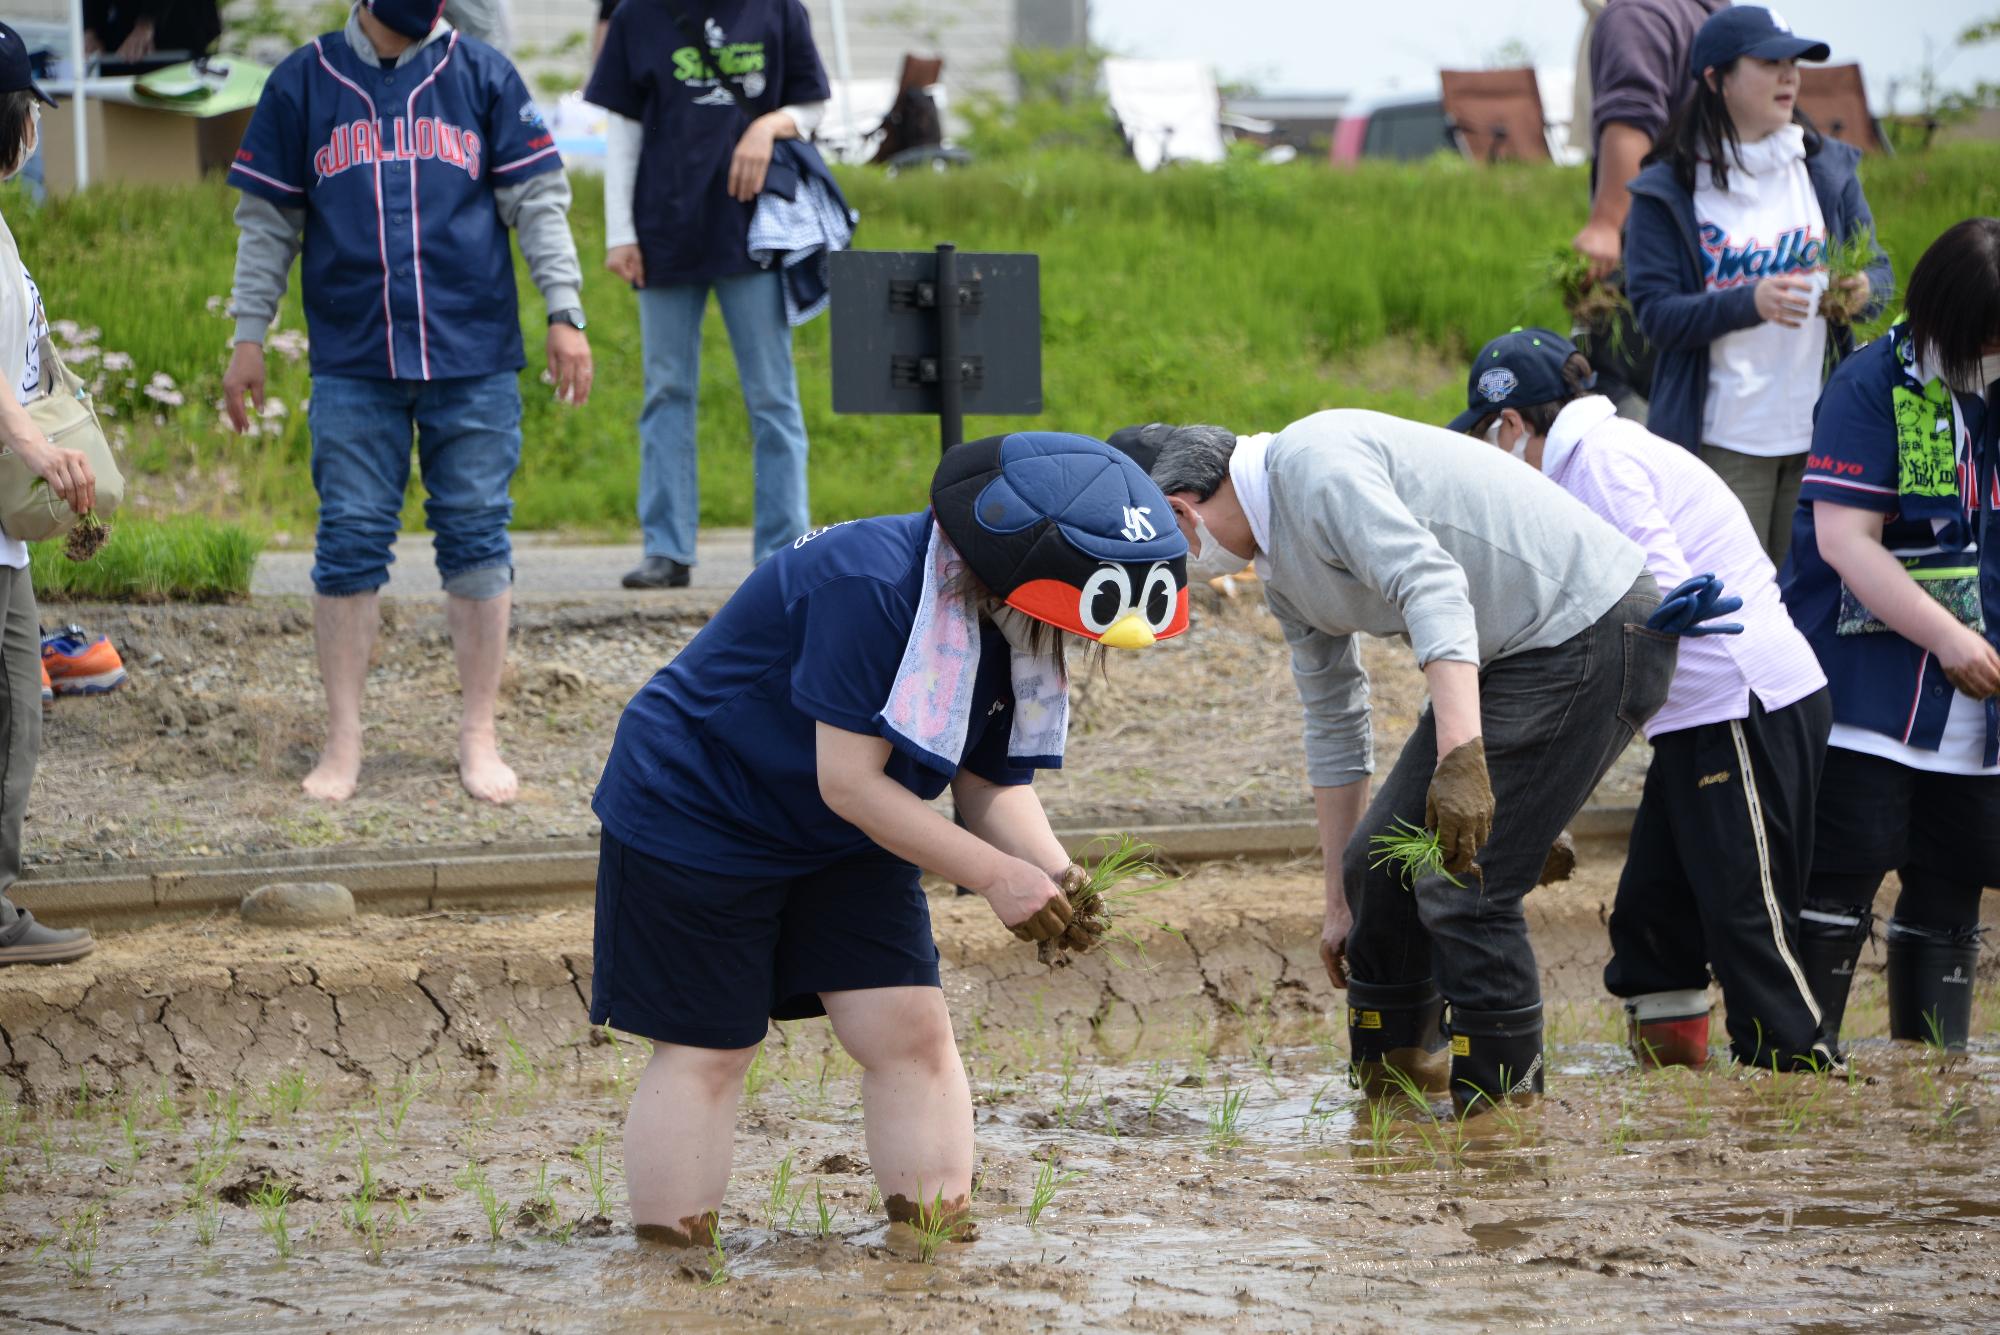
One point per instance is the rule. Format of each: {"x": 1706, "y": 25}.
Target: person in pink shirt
{"x": 1722, "y": 842}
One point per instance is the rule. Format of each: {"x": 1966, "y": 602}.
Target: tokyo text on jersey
{"x": 407, "y": 270}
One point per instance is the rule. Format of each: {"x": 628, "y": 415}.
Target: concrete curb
{"x": 496, "y": 877}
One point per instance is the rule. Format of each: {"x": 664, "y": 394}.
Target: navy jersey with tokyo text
{"x": 714, "y": 763}
{"x": 407, "y": 270}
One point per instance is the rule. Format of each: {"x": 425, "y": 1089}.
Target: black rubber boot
{"x": 1395, "y": 1025}
{"x": 1495, "y": 1055}
{"x": 1930, "y": 982}
{"x": 1831, "y": 938}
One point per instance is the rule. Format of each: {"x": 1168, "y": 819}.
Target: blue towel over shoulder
{"x": 801, "y": 219}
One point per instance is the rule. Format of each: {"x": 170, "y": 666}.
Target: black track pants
{"x": 1721, "y": 849}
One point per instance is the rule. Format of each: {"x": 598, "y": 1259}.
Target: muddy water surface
{"x": 1217, "y": 1178}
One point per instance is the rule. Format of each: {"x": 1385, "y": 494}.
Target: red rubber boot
{"x": 1669, "y": 1028}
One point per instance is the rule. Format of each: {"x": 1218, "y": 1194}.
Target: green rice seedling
{"x": 591, "y": 1155}
{"x": 207, "y": 1221}
{"x": 1620, "y": 1131}
{"x": 472, "y": 1180}
{"x": 1415, "y": 850}
{"x": 1048, "y": 1181}
{"x": 1846, "y": 259}
{"x": 782, "y": 1202}
{"x": 824, "y": 1213}
{"x": 718, "y": 1262}
{"x": 47, "y": 1145}
{"x": 288, "y": 1095}
{"x": 756, "y": 1075}
{"x": 934, "y": 1224}
{"x": 78, "y": 1236}
{"x": 1104, "y": 907}
{"x": 135, "y": 1143}
{"x": 874, "y": 1197}
{"x": 1944, "y": 1104}
{"x": 1163, "y": 1092}
{"x": 1225, "y": 1121}
{"x": 225, "y": 1109}
{"x": 1321, "y": 1110}
{"x": 272, "y": 1201}
{"x": 618, "y": 1071}
{"x": 521, "y": 1064}
{"x": 1110, "y": 1118}
{"x": 168, "y": 1106}
{"x": 1699, "y": 1114}
{"x": 85, "y": 1105}
{"x": 393, "y": 1111}
{"x": 10, "y": 1125}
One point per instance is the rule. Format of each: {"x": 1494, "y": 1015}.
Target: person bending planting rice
{"x": 1723, "y": 840}
{"x": 764, "y": 804}
{"x": 1522, "y": 608}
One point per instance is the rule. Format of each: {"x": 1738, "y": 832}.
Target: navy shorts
{"x": 707, "y": 961}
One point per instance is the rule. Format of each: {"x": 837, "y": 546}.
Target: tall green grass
{"x": 1238, "y": 294}
{"x": 185, "y": 559}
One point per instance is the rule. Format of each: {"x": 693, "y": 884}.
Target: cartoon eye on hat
{"x": 1069, "y": 531}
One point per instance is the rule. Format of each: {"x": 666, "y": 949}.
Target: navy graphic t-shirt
{"x": 714, "y": 762}
{"x": 690, "y": 230}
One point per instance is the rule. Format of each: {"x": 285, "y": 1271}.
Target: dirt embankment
{"x": 215, "y": 1004}
{"x": 202, "y": 752}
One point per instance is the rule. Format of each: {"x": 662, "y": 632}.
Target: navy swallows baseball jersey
{"x": 407, "y": 270}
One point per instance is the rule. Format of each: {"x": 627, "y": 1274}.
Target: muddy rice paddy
{"x": 409, "y": 1124}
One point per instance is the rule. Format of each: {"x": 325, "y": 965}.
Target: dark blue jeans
{"x": 1553, "y": 720}
{"x": 468, "y": 439}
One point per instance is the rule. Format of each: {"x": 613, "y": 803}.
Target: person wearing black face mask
{"x": 1895, "y": 580}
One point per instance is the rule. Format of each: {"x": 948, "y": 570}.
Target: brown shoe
{"x": 48, "y": 945}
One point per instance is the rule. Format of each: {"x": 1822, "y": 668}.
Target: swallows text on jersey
{"x": 424, "y": 138}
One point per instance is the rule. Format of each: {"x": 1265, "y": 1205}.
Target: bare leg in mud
{"x": 679, "y": 1138}
{"x": 917, "y": 1105}
{"x": 479, "y": 644}
{"x": 344, "y": 636}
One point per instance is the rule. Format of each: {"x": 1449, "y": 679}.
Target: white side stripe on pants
{"x": 1764, "y": 866}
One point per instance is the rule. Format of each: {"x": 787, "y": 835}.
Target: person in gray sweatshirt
{"x": 1526, "y": 613}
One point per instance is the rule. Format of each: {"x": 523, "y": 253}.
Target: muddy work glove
{"x": 1459, "y": 805}
{"x": 1560, "y": 864}
{"x": 1689, "y": 608}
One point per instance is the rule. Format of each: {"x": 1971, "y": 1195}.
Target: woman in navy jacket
{"x": 1895, "y": 581}
{"x": 1726, "y": 254}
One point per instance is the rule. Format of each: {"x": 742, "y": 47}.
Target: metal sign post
{"x": 938, "y": 333}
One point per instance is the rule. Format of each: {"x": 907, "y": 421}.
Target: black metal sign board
{"x": 897, "y": 328}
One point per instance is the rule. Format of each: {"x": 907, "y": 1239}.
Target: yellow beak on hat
{"x": 1128, "y": 632}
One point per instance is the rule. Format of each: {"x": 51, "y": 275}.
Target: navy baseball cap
{"x": 1519, "y": 369}
{"x": 16, "y": 74}
{"x": 1749, "y": 30}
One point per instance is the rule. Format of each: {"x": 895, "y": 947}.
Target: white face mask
{"x": 1016, "y": 627}
{"x": 1989, "y": 371}
{"x": 1519, "y": 449}
{"x": 1209, "y": 559}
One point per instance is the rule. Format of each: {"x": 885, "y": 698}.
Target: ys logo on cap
{"x": 1138, "y": 524}
{"x": 1498, "y": 383}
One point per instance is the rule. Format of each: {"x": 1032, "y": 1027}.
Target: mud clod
{"x": 695, "y": 1230}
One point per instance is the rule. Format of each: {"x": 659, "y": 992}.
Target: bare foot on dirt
{"x": 485, "y": 775}
{"x": 338, "y": 770}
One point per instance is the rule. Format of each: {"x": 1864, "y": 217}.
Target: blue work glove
{"x": 1688, "y": 610}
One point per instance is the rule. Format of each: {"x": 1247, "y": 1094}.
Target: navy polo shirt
{"x": 1880, "y": 681}
{"x": 714, "y": 765}
{"x": 407, "y": 270}
{"x": 689, "y": 229}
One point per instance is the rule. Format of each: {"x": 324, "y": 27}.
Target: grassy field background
{"x": 1239, "y": 294}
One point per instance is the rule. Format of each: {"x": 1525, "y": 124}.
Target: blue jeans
{"x": 468, "y": 435}
{"x": 753, "y": 309}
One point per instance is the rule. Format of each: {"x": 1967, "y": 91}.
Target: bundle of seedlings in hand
{"x": 1845, "y": 261}
{"x": 1588, "y": 302}
{"x": 1413, "y": 848}
{"x": 86, "y": 537}
{"x": 1103, "y": 900}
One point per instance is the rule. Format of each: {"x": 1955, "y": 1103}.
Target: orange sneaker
{"x": 78, "y": 665}
{"x": 48, "y": 691}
